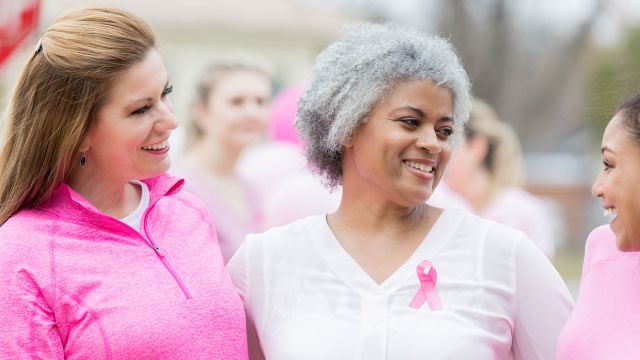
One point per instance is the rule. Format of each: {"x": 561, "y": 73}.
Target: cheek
{"x": 446, "y": 153}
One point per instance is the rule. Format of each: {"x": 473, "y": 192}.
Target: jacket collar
{"x": 67, "y": 201}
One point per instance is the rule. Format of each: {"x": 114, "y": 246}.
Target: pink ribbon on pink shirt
{"x": 427, "y": 291}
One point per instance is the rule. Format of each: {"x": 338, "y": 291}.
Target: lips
{"x": 157, "y": 147}
{"x": 610, "y": 212}
{"x": 420, "y": 166}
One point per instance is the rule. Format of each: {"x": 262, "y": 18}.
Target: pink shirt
{"x": 230, "y": 226}
{"x": 605, "y": 323}
{"x": 78, "y": 284}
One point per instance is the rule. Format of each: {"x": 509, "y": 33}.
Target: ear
{"x": 200, "y": 117}
{"x": 85, "y": 145}
{"x": 478, "y": 146}
{"x": 348, "y": 142}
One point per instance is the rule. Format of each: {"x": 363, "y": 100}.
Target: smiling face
{"x": 237, "y": 108}
{"x": 617, "y": 185}
{"x": 129, "y": 137}
{"x": 402, "y": 150}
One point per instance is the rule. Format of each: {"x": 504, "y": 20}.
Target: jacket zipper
{"x": 163, "y": 259}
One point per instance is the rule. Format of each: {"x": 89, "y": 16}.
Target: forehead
{"x": 422, "y": 94}
{"x": 617, "y": 136}
{"x": 236, "y": 80}
{"x": 141, "y": 80}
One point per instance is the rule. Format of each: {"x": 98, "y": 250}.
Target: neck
{"x": 114, "y": 197}
{"x": 369, "y": 211}
{"x": 218, "y": 158}
{"x": 477, "y": 194}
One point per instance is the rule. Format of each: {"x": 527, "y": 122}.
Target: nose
{"x": 256, "y": 109}
{"x": 429, "y": 141}
{"x": 166, "y": 121}
{"x": 596, "y": 188}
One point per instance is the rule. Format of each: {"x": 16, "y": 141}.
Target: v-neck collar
{"x": 349, "y": 271}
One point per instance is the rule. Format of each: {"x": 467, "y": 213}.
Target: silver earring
{"x": 83, "y": 159}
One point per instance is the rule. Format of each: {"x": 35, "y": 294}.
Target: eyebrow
{"x": 606, "y": 148}
{"x": 148, "y": 98}
{"x": 422, "y": 114}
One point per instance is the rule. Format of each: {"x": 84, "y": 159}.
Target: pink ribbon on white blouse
{"x": 427, "y": 291}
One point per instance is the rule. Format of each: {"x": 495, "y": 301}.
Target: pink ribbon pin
{"x": 427, "y": 292}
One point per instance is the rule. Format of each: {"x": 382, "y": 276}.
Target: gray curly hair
{"x": 354, "y": 73}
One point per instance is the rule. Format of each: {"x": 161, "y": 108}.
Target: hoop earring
{"x": 83, "y": 159}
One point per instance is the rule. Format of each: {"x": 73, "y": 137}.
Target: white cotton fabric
{"x": 309, "y": 299}
{"x": 134, "y": 219}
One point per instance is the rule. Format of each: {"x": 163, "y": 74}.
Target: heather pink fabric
{"x": 605, "y": 323}
{"x": 78, "y": 284}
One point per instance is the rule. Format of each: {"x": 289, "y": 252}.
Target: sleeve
{"x": 28, "y": 327}
{"x": 192, "y": 201}
{"x": 596, "y": 247}
{"x": 238, "y": 268}
{"x": 538, "y": 225}
{"x": 542, "y": 304}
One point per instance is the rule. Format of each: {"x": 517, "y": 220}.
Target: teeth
{"x": 421, "y": 167}
{"x": 158, "y": 146}
{"x": 610, "y": 212}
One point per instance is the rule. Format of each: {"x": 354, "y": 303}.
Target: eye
{"x": 410, "y": 122}
{"x": 607, "y": 165}
{"x": 237, "y": 101}
{"x": 141, "y": 111}
{"x": 167, "y": 91}
{"x": 445, "y": 132}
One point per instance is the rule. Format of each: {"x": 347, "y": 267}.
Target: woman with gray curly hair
{"x": 387, "y": 276}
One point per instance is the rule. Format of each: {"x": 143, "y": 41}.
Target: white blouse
{"x": 309, "y": 299}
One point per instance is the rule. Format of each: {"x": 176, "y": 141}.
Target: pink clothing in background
{"x": 231, "y": 228}
{"x": 523, "y": 211}
{"x": 79, "y": 284}
{"x": 283, "y": 115}
{"x": 605, "y": 323}
{"x": 445, "y": 198}
{"x": 513, "y": 207}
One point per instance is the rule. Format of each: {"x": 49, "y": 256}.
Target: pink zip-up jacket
{"x": 78, "y": 284}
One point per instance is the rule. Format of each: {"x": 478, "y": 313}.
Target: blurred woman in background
{"x": 486, "y": 172}
{"x": 230, "y": 113}
{"x": 278, "y": 170}
{"x": 605, "y": 323}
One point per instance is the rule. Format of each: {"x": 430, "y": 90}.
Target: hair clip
{"x": 39, "y": 46}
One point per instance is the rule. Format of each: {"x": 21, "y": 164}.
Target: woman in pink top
{"x": 606, "y": 322}
{"x": 102, "y": 256}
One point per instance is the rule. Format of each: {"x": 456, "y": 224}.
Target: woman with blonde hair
{"x": 487, "y": 173}
{"x": 230, "y": 114}
{"x": 102, "y": 255}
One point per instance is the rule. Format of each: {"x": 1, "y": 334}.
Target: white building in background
{"x": 191, "y": 33}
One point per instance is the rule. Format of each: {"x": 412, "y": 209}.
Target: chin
{"x": 417, "y": 200}
{"x": 625, "y": 245}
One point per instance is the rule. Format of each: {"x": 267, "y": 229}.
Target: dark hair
{"x": 630, "y": 109}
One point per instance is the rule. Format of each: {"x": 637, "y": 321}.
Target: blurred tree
{"x": 615, "y": 74}
{"x": 533, "y": 75}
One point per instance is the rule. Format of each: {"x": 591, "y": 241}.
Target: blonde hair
{"x": 211, "y": 76}
{"x": 503, "y": 161}
{"x": 57, "y": 94}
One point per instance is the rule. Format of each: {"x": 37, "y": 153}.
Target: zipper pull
{"x": 157, "y": 249}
